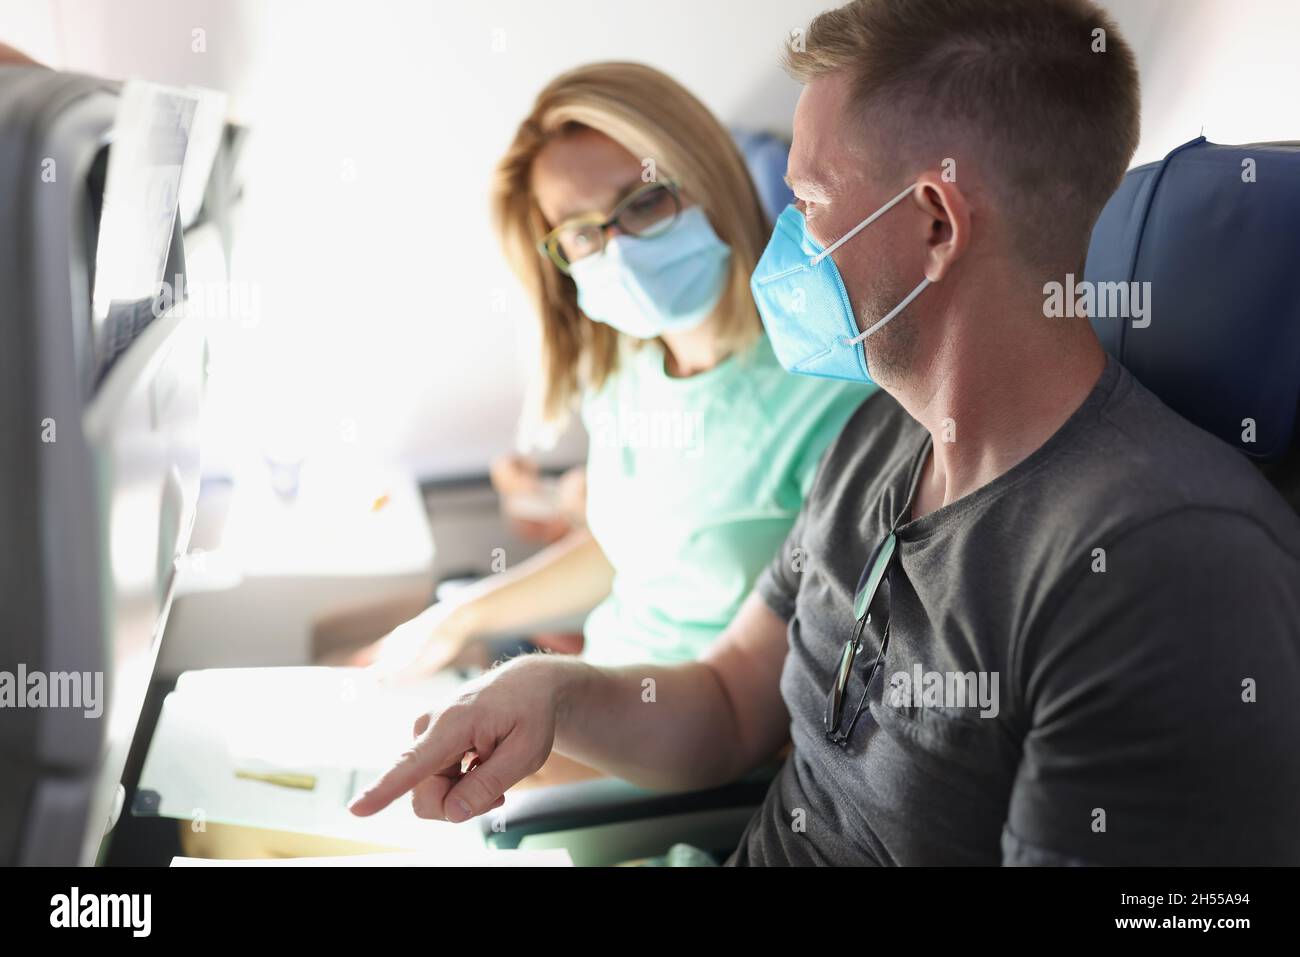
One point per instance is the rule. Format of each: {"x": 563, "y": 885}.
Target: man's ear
{"x": 948, "y": 233}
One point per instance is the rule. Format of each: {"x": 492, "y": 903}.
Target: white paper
{"x": 337, "y": 724}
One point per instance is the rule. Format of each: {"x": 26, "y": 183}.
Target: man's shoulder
{"x": 1143, "y": 462}
{"x": 1156, "y": 499}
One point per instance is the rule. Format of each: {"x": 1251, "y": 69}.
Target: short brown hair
{"x": 1053, "y": 123}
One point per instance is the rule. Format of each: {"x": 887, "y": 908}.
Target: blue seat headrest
{"x": 766, "y": 156}
{"x": 1215, "y": 230}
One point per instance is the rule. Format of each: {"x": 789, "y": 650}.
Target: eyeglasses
{"x": 875, "y": 571}
{"x": 647, "y": 211}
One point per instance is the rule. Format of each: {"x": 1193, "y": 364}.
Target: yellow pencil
{"x": 284, "y": 779}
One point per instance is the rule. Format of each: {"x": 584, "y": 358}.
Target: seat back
{"x": 1214, "y": 232}
{"x": 99, "y": 431}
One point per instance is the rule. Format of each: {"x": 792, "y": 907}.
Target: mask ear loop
{"x": 853, "y": 232}
{"x": 861, "y": 226}
{"x": 891, "y": 314}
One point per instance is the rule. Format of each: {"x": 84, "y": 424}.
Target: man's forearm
{"x": 670, "y": 727}
{"x": 673, "y": 727}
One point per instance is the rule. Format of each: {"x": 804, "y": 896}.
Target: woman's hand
{"x": 514, "y": 475}
{"x": 571, "y": 495}
{"x": 426, "y": 644}
{"x": 532, "y": 504}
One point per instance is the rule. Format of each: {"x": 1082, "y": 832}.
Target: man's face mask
{"x": 805, "y": 307}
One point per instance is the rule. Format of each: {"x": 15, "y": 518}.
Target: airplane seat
{"x": 765, "y": 156}
{"x": 1215, "y": 236}
{"x": 99, "y": 417}
{"x": 1213, "y": 231}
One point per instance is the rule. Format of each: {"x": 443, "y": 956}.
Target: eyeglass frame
{"x": 873, "y": 573}
{"x": 548, "y": 244}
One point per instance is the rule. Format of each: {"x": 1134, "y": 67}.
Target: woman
{"x": 627, "y": 211}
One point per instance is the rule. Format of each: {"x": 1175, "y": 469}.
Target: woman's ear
{"x": 948, "y": 229}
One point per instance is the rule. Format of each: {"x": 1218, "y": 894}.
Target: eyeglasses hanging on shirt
{"x": 875, "y": 572}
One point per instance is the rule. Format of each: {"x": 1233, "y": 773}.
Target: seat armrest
{"x": 609, "y": 801}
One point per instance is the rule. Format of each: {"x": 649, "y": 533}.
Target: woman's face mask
{"x": 648, "y": 286}
{"x": 805, "y": 307}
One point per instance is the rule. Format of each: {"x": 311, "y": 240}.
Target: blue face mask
{"x": 805, "y": 307}
{"x": 648, "y": 286}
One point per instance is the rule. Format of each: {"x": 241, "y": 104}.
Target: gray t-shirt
{"x": 1148, "y": 694}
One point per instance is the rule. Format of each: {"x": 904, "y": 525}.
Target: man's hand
{"x": 499, "y": 731}
{"x": 708, "y": 722}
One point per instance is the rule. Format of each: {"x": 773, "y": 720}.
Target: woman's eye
{"x": 648, "y": 203}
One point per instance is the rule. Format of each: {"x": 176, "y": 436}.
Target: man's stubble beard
{"x": 891, "y": 351}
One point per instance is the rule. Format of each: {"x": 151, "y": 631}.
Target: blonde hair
{"x": 657, "y": 120}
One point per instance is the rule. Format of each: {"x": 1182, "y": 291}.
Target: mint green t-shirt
{"x": 692, "y": 485}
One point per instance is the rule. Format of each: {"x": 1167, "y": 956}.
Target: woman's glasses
{"x": 876, "y": 570}
{"x": 647, "y": 211}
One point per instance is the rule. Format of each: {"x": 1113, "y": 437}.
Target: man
{"x": 1087, "y": 607}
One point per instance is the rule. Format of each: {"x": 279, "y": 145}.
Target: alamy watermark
{"x": 1100, "y": 300}
{"x": 236, "y": 301}
{"x": 74, "y": 909}
{"x": 53, "y": 689}
{"x": 944, "y": 689}
{"x": 678, "y": 430}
